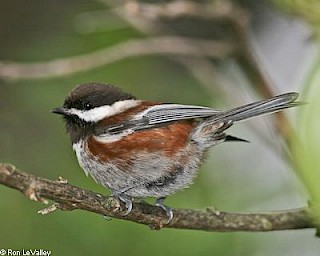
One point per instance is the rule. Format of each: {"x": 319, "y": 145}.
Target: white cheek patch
{"x": 99, "y": 113}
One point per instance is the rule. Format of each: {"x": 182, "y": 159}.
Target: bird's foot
{"x": 168, "y": 210}
{"x": 126, "y": 200}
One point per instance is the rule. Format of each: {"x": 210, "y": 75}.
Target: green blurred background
{"x": 236, "y": 177}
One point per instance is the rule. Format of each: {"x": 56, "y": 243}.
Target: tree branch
{"x": 68, "y": 197}
{"x": 162, "y": 45}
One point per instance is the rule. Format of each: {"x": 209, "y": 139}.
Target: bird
{"x": 142, "y": 148}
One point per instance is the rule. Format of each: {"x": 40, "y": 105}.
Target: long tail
{"x": 258, "y": 108}
{"x": 211, "y": 131}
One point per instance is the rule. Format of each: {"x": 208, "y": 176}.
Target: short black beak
{"x": 60, "y": 111}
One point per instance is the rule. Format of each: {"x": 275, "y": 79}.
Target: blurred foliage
{"x": 34, "y": 140}
{"x": 308, "y": 11}
{"x": 308, "y": 147}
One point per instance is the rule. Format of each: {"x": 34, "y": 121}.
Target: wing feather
{"x": 161, "y": 114}
{"x": 174, "y": 112}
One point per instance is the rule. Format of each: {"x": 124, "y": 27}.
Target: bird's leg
{"x": 120, "y": 194}
{"x": 168, "y": 210}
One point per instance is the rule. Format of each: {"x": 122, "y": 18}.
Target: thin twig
{"x": 68, "y": 197}
{"x": 217, "y": 9}
{"x": 135, "y": 47}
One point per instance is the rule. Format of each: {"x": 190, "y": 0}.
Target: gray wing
{"x": 161, "y": 114}
{"x": 174, "y": 112}
{"x": 165, "y": 113}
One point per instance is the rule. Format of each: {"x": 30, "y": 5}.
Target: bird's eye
{"x": 87, "y": 105}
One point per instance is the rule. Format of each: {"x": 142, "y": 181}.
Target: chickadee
{"x": 140, "y": 148}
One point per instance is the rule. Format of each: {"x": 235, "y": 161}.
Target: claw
{"x": 168, "y": 210}
{"x": 126, "y": 200}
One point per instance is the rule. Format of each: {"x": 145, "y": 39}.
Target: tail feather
{"x": 211, "y": 130}
{"x": 258, "y": 108}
